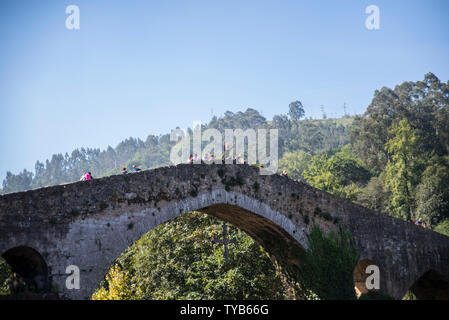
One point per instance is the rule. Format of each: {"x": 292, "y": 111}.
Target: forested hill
{"x": 394, "y": 158}
{"x": 314, "y": 136}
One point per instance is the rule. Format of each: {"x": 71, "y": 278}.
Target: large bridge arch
{"x": 283, "y": 240}
{"x": 89, "y": 223}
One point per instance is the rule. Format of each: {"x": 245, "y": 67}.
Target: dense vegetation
{"x": 327, "y": 267}
{"x": 177, "y": 260}
{"x": 394, "y": 158}
{"x": 5, "y": 277}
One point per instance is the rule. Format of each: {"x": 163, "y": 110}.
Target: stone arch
{"x": 360, "y": 276}
{"x": 28, "y": 268}
{"x": 283, "y": 240}
{"x": 431, "y": 286}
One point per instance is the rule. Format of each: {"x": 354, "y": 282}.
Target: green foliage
{"x": 404, "y": 137}
{"x": 409, "y": 296}
{"x": 178, "y": 260}
{"x": 5, "y": 277}
{"x": 118, "y": 287}
{"x": 403, "y": 170}
{"x": 312, "y": 136}
{"x": 373, "y": 195}
{"x": 295, "y": 163}
{"x": 443, "y": 227}
{"x": 432, "y": 194}
{"x": 338, "y": 175}
{"x": 326, "y": 270}
{"x": 319, "y": 175}
{"x": 423, "y": 104}
{"x": 296, "y": 110}
{"x": 348, "y": 169}
{"x": 19, "y": 182}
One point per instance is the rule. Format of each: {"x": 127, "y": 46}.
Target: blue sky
{"x": 144, "y": 67}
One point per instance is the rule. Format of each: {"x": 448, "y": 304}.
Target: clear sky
{"x": 144, "y": 67}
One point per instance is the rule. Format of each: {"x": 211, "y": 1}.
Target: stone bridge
{"x": 90, "y": 223}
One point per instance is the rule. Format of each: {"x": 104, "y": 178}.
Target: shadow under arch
{"x": 284, "y": 250}
{"x": 29, "y": 269}
{"x": 360, "y": 276}
{"x": 431, "y": 286}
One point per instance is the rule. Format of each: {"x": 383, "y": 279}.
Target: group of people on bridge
{"x": 88, "y": 175}
{"x": 134, "y": 169}
{"x": 208, "y": 159}
{"x": 421, "y": 223}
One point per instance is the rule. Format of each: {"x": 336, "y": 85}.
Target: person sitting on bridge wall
{"x": 196, "y": 159}
{"x": 86, "y": 176}
{"x": 421, "y": 223}
{"x": 135, "y": 169}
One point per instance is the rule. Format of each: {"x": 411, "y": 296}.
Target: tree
{"x": 118, "y": 287}
{"x": 19, "y": 182}
{"x": 373, "y": 195}
{"x": 296, "y": 110}
{"x": 423, "y": 104}
{"x": 295, "y": 163}
{"x": 432, "y": 194}
{"x": 319, "y": 174}
{"x": 349, "y": 169}
{"x": 403, "y": 170}
{"x": 339, "y": 175}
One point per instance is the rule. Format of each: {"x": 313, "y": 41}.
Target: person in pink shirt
{"x": 86, "y": 176}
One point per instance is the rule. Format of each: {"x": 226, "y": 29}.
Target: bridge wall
{"x": 90, "y": 223}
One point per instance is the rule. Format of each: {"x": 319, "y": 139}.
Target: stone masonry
{"x": 90, "y": 223}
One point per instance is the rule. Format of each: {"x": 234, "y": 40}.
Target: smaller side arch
{"x": 29, "y": 269}
{"x": 431, "y": 286}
